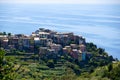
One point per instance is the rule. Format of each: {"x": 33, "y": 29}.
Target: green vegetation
{"x": 4, "y": 33}
{"x": 7, "y": 70}
{"x": 108, "y": 72}
{"x": 19, "y": 65}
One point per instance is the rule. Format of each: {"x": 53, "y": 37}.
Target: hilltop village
{"x": 45, "y": 41}
{"x": 51, "y": 55}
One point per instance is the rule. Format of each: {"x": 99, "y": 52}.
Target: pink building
{"x": 56, "y": 47}
{"x": 74, "y": 53}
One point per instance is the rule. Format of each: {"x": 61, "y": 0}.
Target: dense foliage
{"x": 108, "y": 72}
{"x": 7, "y": 70}
{"x": 19, "y": 65}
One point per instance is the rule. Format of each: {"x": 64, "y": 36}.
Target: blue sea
{"x": 99, "y": 24}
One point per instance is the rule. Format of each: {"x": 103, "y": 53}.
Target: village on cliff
{"x": 45, "y": 41}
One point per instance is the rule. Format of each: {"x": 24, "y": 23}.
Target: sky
{"x": 63, "y": 1}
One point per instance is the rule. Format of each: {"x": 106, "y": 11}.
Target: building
{"x": 43, "y": 42}
{"x": 82, "y": 47}
{"x": 26, "y": 42}
{"x": 81, "y": 55}
{"x": 65, "y": 51}
{"x": 81, "y": 40}
{"x": 5, "y": 43}
{"x": 43, "y": 50}
{"x": 68, "y": 48}
{"x": 51, "y": 51}
{"x": 75, "y": 39}
{"x": 36, "y": 41}
{"x": 19, "y": 35}
{"x": 49, "y": 42}
{"x": 74, "y": 46}
{"x": 56, "y": 47}
{"x": 44, "y": 35}
{"x": 33, "y": 34}
{"x": 74, "y": 53}
{"x": 14, "y": 41}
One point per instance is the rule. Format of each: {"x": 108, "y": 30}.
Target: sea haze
{"x": 99, "y": 24}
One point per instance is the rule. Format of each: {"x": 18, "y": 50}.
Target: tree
{"x": 50, "y": 63}
{"x": 110, "y": 67}
{"x": 2, "y": 53}
{"x": 6, "y": 67}
{"x": 4, "y": 33}
{"x": 115, "y": 73}
{"x": 100, "y": 50}
{"x": 1, "y": 33}
{"x": 9, "y": 34}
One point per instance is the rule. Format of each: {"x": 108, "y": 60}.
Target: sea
{"x": 98, "y": 23}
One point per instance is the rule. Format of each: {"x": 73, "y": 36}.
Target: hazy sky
{"x": 63, "y": 1}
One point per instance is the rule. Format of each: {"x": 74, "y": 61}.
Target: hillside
{"x": 108, "y": 72}
{"x": 50, "y": 55}
{"x": 64, "y": 67}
